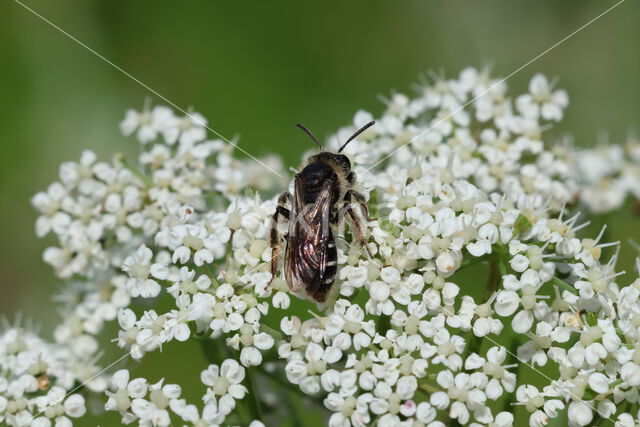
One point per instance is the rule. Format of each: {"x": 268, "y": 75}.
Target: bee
{"x": 323, "y": 196}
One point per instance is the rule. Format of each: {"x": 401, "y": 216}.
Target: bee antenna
{"x": 308, "y": 132}
{"x": 362, "y": 129}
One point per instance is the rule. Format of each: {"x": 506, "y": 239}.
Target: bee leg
{"x": 360, "y": 200}
{"x": 276, "y": 246}
{"x": 356, "y": 220}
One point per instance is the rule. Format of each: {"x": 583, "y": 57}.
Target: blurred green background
{"x": 255, "y": 68}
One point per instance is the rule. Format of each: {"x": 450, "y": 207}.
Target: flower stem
{"x": 564, "y": 285}
{"x": 209, "y": 273}
{"x": 254, "y": 396}
{"x": 612, "y": 384}
{"x": 473, "y": 261}
{"x": 274, "y": 333}
{"x": 428, "y": 389}
{"x": 144, "y": 178}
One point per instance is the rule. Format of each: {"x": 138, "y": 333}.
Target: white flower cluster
{"x": 473, "y": 129}
{"x": 150, "y": 404}
{"x": 473, "y": 240}
{"x": 99, "y": 209}
{"x": 229, "y": 306}
{"x": 609, "y": 174}
{"x": 38, "y": 380}
{"x": 101, "y": 212}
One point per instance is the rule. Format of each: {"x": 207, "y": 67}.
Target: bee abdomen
{"x": 329, "y": 276}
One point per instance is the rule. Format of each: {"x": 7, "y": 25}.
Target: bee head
{"x": 337, "y": 161}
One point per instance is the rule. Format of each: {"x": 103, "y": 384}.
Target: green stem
{"x": 564, "y": 285}
{"x": 612, "y": 384}
{"x": 214, "y": 280}
{"x": 522, "y": 224}
{"x": 473, "y": 261}
{"x": 144, "y": 178}
{"x": 254, "y": 396}
{"x": 277, "y": 335}
{"x": 502, "y": 266}
{"x": 428, "y": 389}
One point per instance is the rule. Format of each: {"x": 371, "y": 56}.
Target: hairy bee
{"x": 323, "y": 196}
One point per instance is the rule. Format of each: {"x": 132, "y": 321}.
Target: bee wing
{"x": 309, "y": 235}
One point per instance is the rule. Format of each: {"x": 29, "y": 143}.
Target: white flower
{"x": 224, "y": 384}
{"x": 538, "y": 403}
{"x": 307, "y": 374}
{"x": 599, "y": 382}
{"x": 542, "y": 100}
{"x": 188, "y": 129}
{"x": 139, "y": 268}
{"x": 580, "y": 413}
{"x": 630, "y": 373}
{"x": 186, "y": 239}
{"x": 506, "y": 303}
{"x": 122, "y": 393}
{"x": 147, "y": 123}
